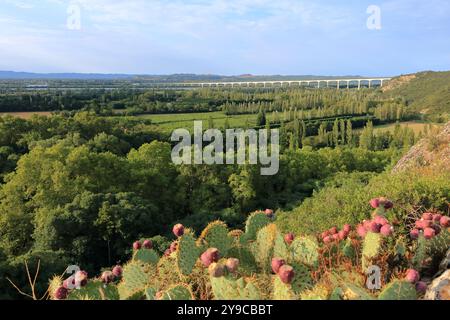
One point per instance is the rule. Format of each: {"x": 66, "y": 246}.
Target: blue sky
{"x": 229, "y": 37}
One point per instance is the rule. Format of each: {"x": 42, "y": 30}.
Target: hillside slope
{"x": 419, "y": 180}
{"x": 432, "y": 151}
{"x": 425, "y": 92}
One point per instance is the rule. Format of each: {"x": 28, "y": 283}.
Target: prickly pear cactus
{"x": 149, "y": 256}
{"x": 177, "y": 292}
{"x": 305, "y": 250}
{"x": 398, "y": 290}
{"x": 280, "y": 248}
{"x": 54, "y": 284}
{"x": 319, "y": 292}
{"x": 264, "y": 248}
{"x": 95, "y": 290}
{"x": 282, "y": 291}
{"x": 230, "y": 288}
{"x": 353, "y": 291}
{"x": 438, "y": 246}
{"x": 187, "y": 253}
{"x": 371, "y": 248}
{"x": 348, "y": 250}
{"x": 420, "y": 253}
{"x": 215, "y": 235}
{"x": 247, "y": 262}
{"x": 301, "y": 283}
{"x": 150, "y": 293}
{"x": 136, "y": 276}
{"x": 255, "y": 222}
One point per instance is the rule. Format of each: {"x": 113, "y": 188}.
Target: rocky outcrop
{"x": 439, "y": 289}
{"x": 432, "y": 151}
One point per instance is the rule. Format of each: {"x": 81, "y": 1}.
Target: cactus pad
{"x": 229, "y": 288}
{"x": 398, "y": 290}
{"x": 215, "y": 235}
{"x": 146, "y": 256}
{"x": 187, "y": 253}
{"x": 371, "y": 248}
{"x": 255, "y": 222}
{"x": 177, "y": 292}
{"x": 305, "y": 250}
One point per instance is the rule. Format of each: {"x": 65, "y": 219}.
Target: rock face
{"x": 445, "y": 264}
{"x": 433, "y": 151}
{"x": 439, "y": 289}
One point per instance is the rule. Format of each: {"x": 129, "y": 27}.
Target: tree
{"x": 366, "y": 139}
{"x": 349, "y": 133}
{"x": 336, "y": 133}
{"x": 261, "y": 118}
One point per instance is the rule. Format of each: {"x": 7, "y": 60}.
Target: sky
{"x": 227, "y": 37}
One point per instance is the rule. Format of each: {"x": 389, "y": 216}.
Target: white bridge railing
{"x": 319, "y": 83}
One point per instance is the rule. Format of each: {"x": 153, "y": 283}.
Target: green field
{"x": 417, "y": 127}
{"x": 186, "y": 120}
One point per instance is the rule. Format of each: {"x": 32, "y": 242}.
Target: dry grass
{"x": 26, "y": 115}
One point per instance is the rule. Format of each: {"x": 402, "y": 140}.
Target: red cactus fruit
{"x": 412, "y": 276}
{"x": 325, "y": 234}
{"x": 148, "y": 244}
{"x": 361, "y": 231}
{"x": 335, "y": 237}
{"x": 380, "y": 220}
{"x": 289, "y": 238}
{"x": 167, "y": 252}
{"x": 429, "y": 233}
{"x": 423, "y": 224}
{"x": 277, "y": 263}
{"x": 388, "y": 205}
{"x": 333, "y": 230}
{"x": 269, "y": 213}
{"x": 427, "y": 216}
{"x": 385, "y": 203}
{"x": 232, "y": 265}
{"x": 375, "y": 203}
{"x": 386, "y": 230}
{"x": 216, "y": 270}
{"x": 60, "y": 294}
{"x": 421, "y": 287}
{"x": 107, "y": 277}
{"x": 437, "y": 228}
{"x": 81, "y": 278}
{"x": 178, "y": 230}
{"x": 341, "y": 235}
{"x": 375, "y": 227}
{"x": 286, "y": 274}
{"x": 366, "y": 224}
{"x": 437, "y": 217}
{"x": 209, "y": 256}
{"x": 414, "y": 234}
{"x": 137, "y": 245}
{"x": 173, "y": 246}
{"x": 327, "y": 239}
{"x": 445, "y": 221}
{"x": 117, "y": 271}
{"x": 347, "y": 228}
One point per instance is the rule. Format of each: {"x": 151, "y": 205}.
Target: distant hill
{"x": 12, "y": 75}
{"x": 425, "y": 92}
